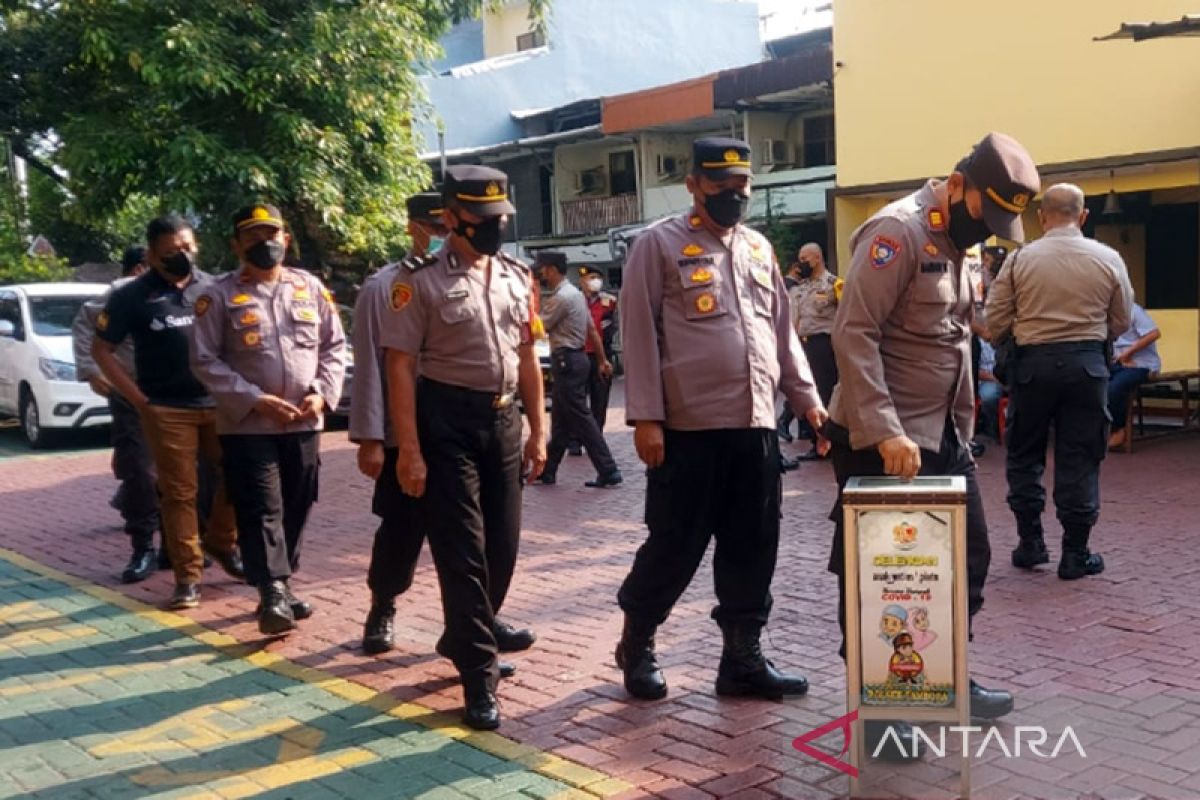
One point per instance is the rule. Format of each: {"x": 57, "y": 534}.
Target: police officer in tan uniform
{"x": 708, "y": 343}
{"x": 815, "y": 300}
{"x": 460, "y": 341}
{"x": 903, "y": 404}
{"x": 268, "y": 344}
{"x": 1064, "y": 298}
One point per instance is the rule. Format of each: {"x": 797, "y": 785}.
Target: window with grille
{"x": 528, "y": 41}
{"x": 818, "y": 141}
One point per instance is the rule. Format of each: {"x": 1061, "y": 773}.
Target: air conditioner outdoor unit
{"x": 668, "y": 166}
{"x": 775, "y": 151}
{"x": 591, "y": 181}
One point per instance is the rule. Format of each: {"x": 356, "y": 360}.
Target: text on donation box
{"x": 906, "y": 607}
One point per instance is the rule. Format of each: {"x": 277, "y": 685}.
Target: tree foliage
{"x": 202, "y": 106}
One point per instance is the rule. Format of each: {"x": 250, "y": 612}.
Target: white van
{"x": 37, "y": 365}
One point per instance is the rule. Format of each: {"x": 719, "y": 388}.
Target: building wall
{"x": 463, "y": 44}
{"x": 502, "y": 27}
{"x": 922, "y": 80}
{"x": 593, "y": 49}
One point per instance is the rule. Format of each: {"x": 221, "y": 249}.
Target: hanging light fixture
{"x": 1112, "y": 203}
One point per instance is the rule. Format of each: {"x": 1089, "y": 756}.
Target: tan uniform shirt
{"x": 465, "y": 326}
{"x": 253, "y": 338}
{"x": 902, "y": 331}
{"x": 368, "y": 404}
{"x": 815, "y": 304}
{"x": 83, "y": 333}
{"x": 707, "y": 333}
{"x": 1062, "y": 288}
{"x": 565, "y": 314}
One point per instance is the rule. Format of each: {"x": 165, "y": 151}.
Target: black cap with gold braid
{"x": 719, "y": 157}
{"x": 425, "y": 207}
{"x": 480, "y": 190}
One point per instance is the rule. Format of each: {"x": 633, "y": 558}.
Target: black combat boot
{"x": 745, "y": 673}
{"x": 1032, "y": 549}
{"x": 301, "y": 609}
{"x": 140, "y": 565}
{"x": 275, "y": 615}
{"x": 989, "y": 703}
{"x": 480, "y": 710}
{"x": 636, "y": 658}
{"x": 379, "y": 632}
{"x": 1077, "y": 561}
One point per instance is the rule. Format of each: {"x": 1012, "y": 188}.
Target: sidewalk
{"x": 1113, "y": 657}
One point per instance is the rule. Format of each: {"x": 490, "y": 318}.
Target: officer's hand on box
{"x": 410, "y": 470}
{"x": 276, "y": 408}
{"x": 370, "y": 459}
{"x": 533, "y": 459}
{"x": 648, "y": 441}
{"x": 901, "y": 457}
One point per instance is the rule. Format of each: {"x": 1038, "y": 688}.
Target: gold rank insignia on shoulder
{"x": 692, "y": 250}
{"x": 248, "y": 318}
{"x": 937, "y": 220}
{"x": 401, "y": 295}
{"x": 102, "y": 321}
{"x": 694, "y": 221}
{"x": 706, "y": 303}
{"x": 202, "y": 305}
{"x": 328, "y": 295}
{"x": 240, "y": 299}
{"x": 251, "y": 338}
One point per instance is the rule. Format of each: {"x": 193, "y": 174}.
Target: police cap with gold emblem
{"x": 718, "y": 157}
{"x": 255, "y": 216}
{"x": 425, "y": 207}
{"x": 1004, "y": 173}
{"x": 482, "y": 191}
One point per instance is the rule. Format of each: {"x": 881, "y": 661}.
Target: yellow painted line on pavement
{"x": 587, "y": 782}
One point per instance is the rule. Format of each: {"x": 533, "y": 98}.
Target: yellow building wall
{"x": 920, "y": 81}
{"x": 1178, "y": 348}
{"x": 502, "y": 27}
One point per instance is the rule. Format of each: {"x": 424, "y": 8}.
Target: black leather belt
{"x": 1061, "y": 347}
{"x": 563, "y": 350}
{"x": 472, "y": 397}
{"x": 811, "y": 336}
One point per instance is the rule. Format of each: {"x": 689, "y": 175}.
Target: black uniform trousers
{"x": 717, "y": 483}
{"x": 599, "y": 388}
{"x": 133, "y": 466}
{"x": 818, "y": 349}
{"x": 1062, "y": 385}
{"x": 570, "y": 417}
{"x": 398, "y": 538}
{"x": 272, "y": 482}
{"x": 472, "y": 513}
{"x": 951, "y": 458}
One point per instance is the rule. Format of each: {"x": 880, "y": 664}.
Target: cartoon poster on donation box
{"x": 905, "y": 581}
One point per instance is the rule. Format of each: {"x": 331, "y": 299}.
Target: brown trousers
{"x": 178, "y": 438}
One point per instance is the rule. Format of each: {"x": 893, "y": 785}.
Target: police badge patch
{"x": 883, "y": 251}
{"x": 401, "y": 295}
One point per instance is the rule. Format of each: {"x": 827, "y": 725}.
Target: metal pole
{"x": 442, "y": 146}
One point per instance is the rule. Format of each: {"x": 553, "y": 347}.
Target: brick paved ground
{"x": 1113, "y": 657}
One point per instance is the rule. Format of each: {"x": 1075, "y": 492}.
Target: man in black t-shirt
{"x": 177, "y": 413}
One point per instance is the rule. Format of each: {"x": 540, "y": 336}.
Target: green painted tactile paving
{"x": 98, "y": 701}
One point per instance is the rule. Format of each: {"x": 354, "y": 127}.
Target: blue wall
{"x": 596, "y": 48}
{"x": 463, "y": 44}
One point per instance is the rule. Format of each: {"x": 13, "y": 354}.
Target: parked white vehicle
{"x": 37, "y": 365}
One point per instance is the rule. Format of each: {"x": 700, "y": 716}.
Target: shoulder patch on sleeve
{"x": 102, "y": 321}
{"x": 202, "y": 305}
{"x": 400, "y": 295}
{"x": 884, "y": 250}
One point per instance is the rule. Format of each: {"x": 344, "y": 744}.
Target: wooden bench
{"x": 1189, "y": 414}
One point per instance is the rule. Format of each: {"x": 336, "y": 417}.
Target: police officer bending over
{"x": 460, "y": 345}
{"x": 1063, "y": 298}
{"x": 269, "y": 346}
{"x": 709, "y": 342}
{"x": 903, "y": 404}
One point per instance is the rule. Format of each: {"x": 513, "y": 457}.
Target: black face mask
{"x": 806, "y": 270}
{"x": 726, "y": 208}
{"x": 179, "y": 265}
{"x": 484, "y": 237}
{"x": 266, "y": 254}
{"x": 966, "y": 231}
